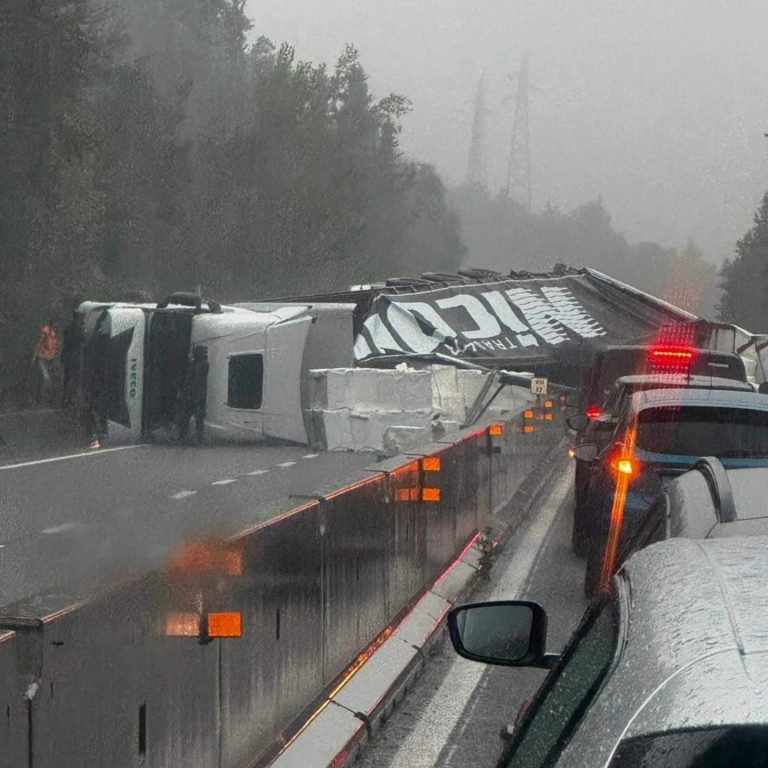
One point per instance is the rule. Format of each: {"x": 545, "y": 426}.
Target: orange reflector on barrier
{"x": 225, "y": 624}
{"x": 527, "y": 429}
{"x": 431, "y": 463}
{"x": 528, "y": 414}
{"x": 407, "y": 494}
{"x": 549, "y": 417}
{"x": 430, "y": 494}
{"x": 571, "y": 453}
{"x": 496, "y": 430}
{"x": 548, "y": 403}
{"x": 182, "y": 625}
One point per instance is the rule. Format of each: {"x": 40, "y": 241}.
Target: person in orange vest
{"x": 45, "y": 353}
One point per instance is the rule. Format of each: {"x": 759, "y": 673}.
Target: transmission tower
{"x": 476, "y": 164}
{"x": 519, "y": 166}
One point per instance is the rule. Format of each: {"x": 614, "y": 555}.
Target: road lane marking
{"x": 99, "y": 452}
{"x": 287, "y": 464}
{"x": 257, "y": 472}
{"x": 311, "y": 456}
{"x": 423, "y": 746}
{"x": 224, "y": 482}
{"x": 183, "y": 494}
{"x": 63, "y": 528}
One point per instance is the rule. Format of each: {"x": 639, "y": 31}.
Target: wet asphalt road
{"x": 452, "y": 716}
{"x": 70, "y": 523}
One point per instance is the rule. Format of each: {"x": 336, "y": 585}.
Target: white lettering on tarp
{"x": 548, "y": 315}
{"x": 504, "y": 312}
{"x": 487, "y": 325}
{"x": 529, "y": 316}
{"x": 402, "y": 318}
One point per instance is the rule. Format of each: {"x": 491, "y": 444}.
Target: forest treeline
{"x": 501, "y": 234}
{"x": 147, "y": 146}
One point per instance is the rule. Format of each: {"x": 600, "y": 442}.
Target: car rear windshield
{"x": 703, "y": 431}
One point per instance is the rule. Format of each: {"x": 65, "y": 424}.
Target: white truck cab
{"x": 136, "y": 360}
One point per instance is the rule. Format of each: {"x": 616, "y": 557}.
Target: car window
{"x": 702, "y": 748}
{"x": 568, "y": 691}
{"x": 703, "y": 431}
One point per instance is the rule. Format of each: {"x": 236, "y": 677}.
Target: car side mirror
{"x": 763, "y": 388}
{"x": 578, "y": 421}
{"x": 586, "y": 452}
{"x": 511, "y": 633}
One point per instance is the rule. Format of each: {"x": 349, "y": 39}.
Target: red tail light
{"x": 594, "y": 411}
{"x": 671, "y": 356}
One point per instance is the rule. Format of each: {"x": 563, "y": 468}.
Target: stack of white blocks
{"x": 367, "y": 409}
{"x": 389, "y": 411}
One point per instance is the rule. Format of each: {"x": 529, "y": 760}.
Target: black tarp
{"x": 549, "y": 324}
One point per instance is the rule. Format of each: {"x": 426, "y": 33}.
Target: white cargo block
{"x": 329, "y": 388}
{"x": 333, "y": 429}
{"x": 447, "y": 399}
{"x": 389, "y": 390}
{"x": 399, "y": 439}
{"x": 368, "y": 429}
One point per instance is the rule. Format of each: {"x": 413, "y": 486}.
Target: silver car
{"x": 669, "y": 671}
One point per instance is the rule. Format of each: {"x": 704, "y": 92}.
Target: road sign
{"x": 539, "y": 386}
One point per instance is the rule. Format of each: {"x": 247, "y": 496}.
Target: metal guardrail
{"x": 114, "y": 681}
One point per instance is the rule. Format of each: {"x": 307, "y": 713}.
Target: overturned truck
{"x": 136, "y": 358}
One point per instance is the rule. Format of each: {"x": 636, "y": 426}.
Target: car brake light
{"x": 670, "y": 355}
{"x": 594, "y": 411}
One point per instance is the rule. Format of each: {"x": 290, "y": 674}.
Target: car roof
{"x": 694, "y": 649}
{"x": 652, "y": 398}
{"x": 681, "y": 381}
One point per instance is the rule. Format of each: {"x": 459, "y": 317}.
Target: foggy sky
{"x": 659, "y": 106}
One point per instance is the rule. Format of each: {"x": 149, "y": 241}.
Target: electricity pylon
{"x": 477, "y": 162}
{"x": 519, "y": 183}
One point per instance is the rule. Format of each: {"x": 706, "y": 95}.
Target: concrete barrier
{"x": 316, "y": 589}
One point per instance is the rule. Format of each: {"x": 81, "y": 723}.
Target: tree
{"x": 745, "y": 278}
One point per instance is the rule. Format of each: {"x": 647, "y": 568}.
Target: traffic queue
{"x": 669, "y": 666}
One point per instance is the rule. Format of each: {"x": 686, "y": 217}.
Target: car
{"x": 669, "y": 669}
{"x": 613, "y": 362}
{"x": 659, "y": 434}
{"x": 599, "y": 430}
{"x": 707, "y": 502}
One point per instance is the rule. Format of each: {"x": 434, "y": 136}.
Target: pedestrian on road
{"x": 72, "y": 362}
{"x": 45, "y": 353}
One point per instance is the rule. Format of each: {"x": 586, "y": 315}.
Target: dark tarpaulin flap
{"x": 549, "y": 324}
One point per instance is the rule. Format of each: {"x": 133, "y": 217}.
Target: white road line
{"x": 183, "y": 494}
{"x": 63, "y": 528}
{"x": 257, "y": 472}
{"x": 287, "y": 464}
{"x": 224, "y": 482}
{"x": 99, "y": 452}
{"x": 311, "y": 456}
{"x": 422, "y": 747}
